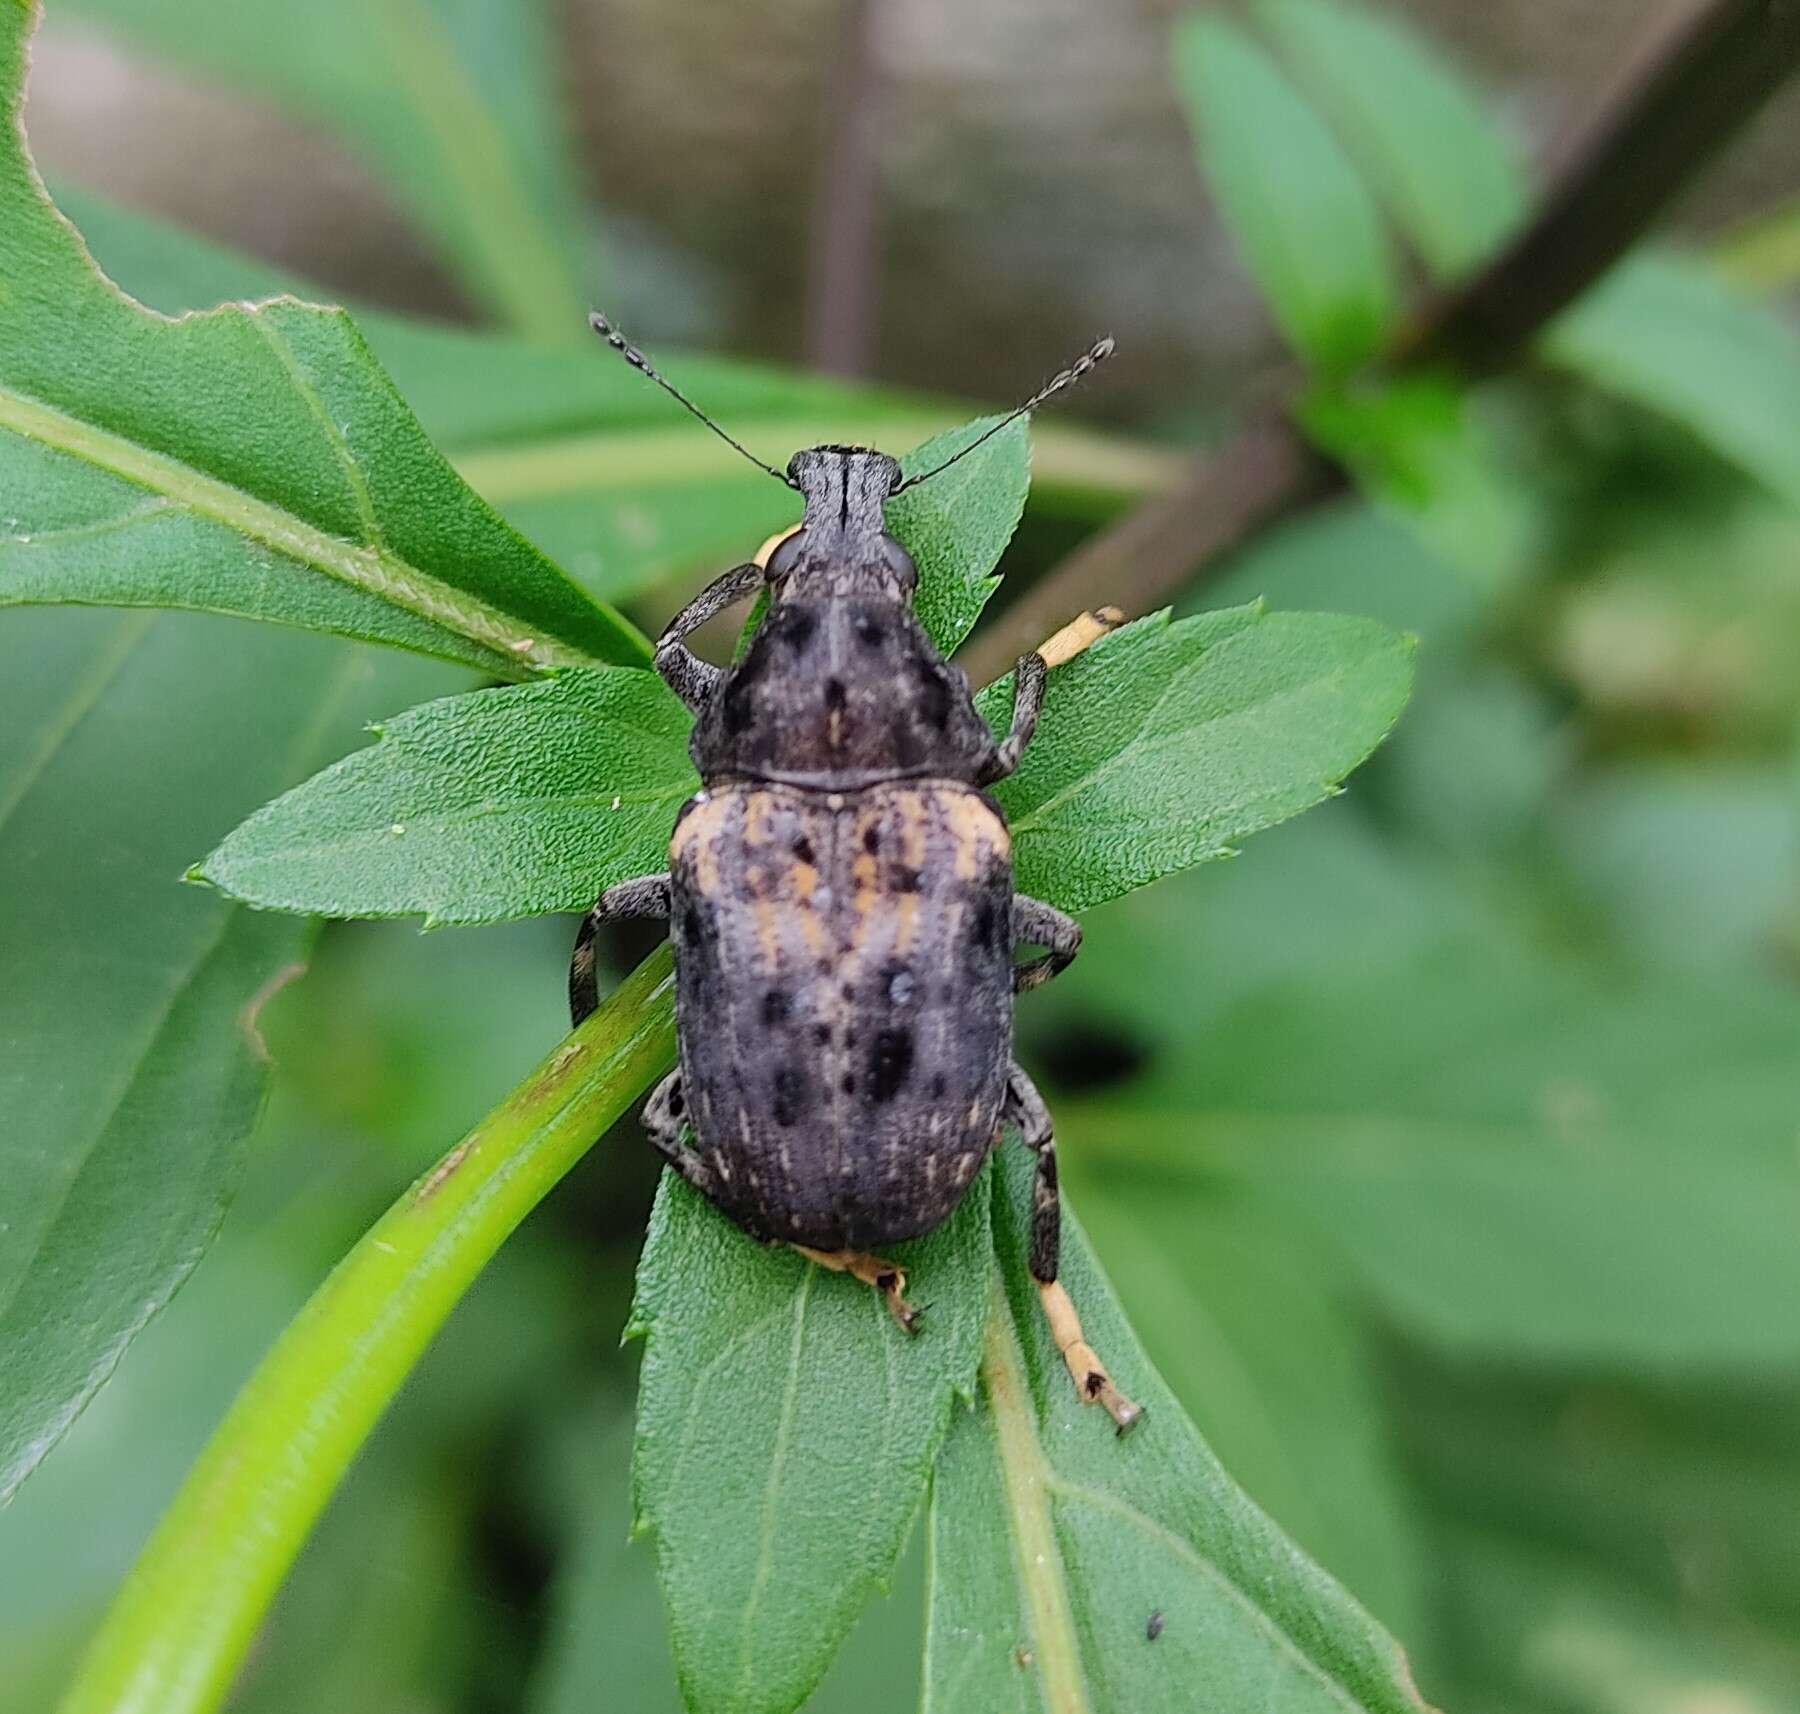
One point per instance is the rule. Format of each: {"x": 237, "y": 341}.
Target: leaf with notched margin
{"x": 1168, "y": 740}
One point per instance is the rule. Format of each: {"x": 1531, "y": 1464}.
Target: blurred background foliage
{"x": 1444, "y": 1148}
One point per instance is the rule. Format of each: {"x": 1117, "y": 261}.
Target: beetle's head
{"x": 842, "y": 546}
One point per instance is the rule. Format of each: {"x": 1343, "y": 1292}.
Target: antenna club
{"x": 617, "y": 340}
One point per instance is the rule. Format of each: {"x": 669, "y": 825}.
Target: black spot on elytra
{"x": 677, "y": 1102}
{"x": 984, "y": 924}
{"x": 890, "y": 1063}
{"x": 803, "y": 849}
{"x": 872, "y": 840}
{"x": 693, "y": 930}
{"x": 775, "y": 1008}
{"x": 835, "y": 693}
{"x": 822, "y": 1034}
{"x": 789, "y": 1090}
{"x": 940, "y": 1084}
{"x": 849, "y": 1083}
{"x": 906, "y": 879}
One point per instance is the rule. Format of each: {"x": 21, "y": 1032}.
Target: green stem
{"x": 181, "y": 1626}
{"x": 1025, "y": 1472}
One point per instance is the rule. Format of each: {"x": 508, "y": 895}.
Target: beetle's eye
{"x": 900, "y": 563}
{"x": 785, "y": 557}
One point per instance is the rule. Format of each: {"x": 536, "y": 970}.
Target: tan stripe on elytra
{"x": 696, "y": 838}
{"x": 759, "y": 819}
{"x": 977, "y": 834}
{"x": 806, "y": 883}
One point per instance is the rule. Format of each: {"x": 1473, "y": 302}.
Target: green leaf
{"x": 452, "y": 101}
{"x": 1669, "y": 333}
{"x": 606, "y": 1642}
{"x": 1053, "y": 1542}
{"x": 786, "y": 1431}
{"x": 1666, "y": 331}
{"x": 177, "y": 1635}
{"x": 1171, "y": 740}
{"x": 587, "y": 459}
{"x": 133, "y": 1069}
{"x": 1513, "y": 1158}
{"x": 958, "y": 524}
{"x": 1166, "y": 741}
{"x": 1307, "y": 226}
{"x": 501, "y": 803}
{"x": 1245, "y": 1316}
{"x": 253, "y": 460}
{"x": 1417, "y": 446}
{"x": 1421, "y": 135}
{"x": 1572, "y": 1511}
{"x": 1692, "y": 865}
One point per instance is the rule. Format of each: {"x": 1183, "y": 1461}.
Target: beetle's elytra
{"x": 841, "y": 905}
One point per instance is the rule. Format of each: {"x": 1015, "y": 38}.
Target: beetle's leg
{"x": 885, "y": 1277}
{"x": 648, "y": 896}
{"x": 1078, "y": 635}
{"x": 664, "y": 1118}
{"x": 1028, "y": 704}
{"x": 692, "y": 679}
{"x": 1025, "y": 1108}
{"x": 1035, "y": 923}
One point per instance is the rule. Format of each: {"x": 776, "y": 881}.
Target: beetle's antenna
{"x": 1102, "y": 350}
{"x": 641, "y": 363}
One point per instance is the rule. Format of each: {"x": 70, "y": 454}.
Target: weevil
{"x": 841, "y": 904}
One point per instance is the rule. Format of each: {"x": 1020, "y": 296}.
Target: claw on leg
{"x": 1085, "y": 1368}
{"x": 882, "y": 1276}
{"x": 1081, "y": 633}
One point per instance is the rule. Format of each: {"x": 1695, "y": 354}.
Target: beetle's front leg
{"x": 647, "y": 896}
{"x": 1025, "y": 1108}
{"x": 692, "y": 679}
{"x": 1080, "y": 634}
{"x": 1035, "y": 923}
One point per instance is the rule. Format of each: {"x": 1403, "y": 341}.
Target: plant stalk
{"x": 1684, "y": 104}
{"x": 188, "y": 1613}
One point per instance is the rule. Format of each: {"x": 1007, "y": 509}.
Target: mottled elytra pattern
{"x": 844, "y": 1002}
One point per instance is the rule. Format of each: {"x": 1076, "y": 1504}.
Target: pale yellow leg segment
{"x": 883, "y": 1276}
{"x": 1081, "y": 632}
{"x": 761, "y": 556}
{"x": 1085, "y": 1368}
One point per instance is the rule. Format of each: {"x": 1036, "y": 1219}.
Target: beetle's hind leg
{"x": 1025, "y": 1108}
{"x": 664, "y": 1118}
{"x": 884, "y": 1277}
{"x": 647, "y": 896}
